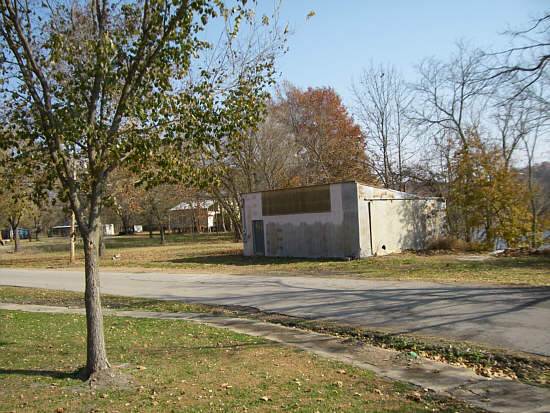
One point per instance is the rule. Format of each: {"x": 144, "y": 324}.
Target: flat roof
{"x": 344, "y": 182}
{"x": 304, "y": 186}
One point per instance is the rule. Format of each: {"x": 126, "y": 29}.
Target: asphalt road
{"x": 511, "y": 317}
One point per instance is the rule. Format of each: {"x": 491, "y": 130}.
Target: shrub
{"x": 448, "y": 243}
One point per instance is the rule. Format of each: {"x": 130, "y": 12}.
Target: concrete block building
{"x": 345, "y": 219}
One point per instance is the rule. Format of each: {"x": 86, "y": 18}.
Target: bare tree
{"x": 535, "y": 130}
{"x": 451, "y": 95}
{"x": 383, "y": 105}
{"x": 525, "y": 63}
{"x": 512, "y": 121}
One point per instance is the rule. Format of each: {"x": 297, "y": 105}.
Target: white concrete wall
{"x": 399, "y": 221}
{"x": 397, "y": 225}
{"x": 323, "y": 234}
{"x": 252, "y": 210}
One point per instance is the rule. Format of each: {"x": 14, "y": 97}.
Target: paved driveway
{"x": 511, "y": 317}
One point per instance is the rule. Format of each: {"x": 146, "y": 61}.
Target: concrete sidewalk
{"x": 511, "y": 317}
{"x": 497, "y": 395}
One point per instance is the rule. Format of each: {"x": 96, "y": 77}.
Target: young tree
{"x": 18, "y": 197}
{"x": 102, "y": 84}
{"x": 16, "y": 203}
{"x": 483, "y": 195}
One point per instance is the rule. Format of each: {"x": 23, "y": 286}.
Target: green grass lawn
{"x": 174, "y": 366}
{"x": 219, "y": 253}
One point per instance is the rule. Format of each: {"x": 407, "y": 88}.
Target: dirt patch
{"x": 115, "y": 378}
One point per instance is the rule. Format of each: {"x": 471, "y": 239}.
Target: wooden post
{"x": 72, "y": 235}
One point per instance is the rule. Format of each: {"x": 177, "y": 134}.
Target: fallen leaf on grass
{"x": 416, "y": 396}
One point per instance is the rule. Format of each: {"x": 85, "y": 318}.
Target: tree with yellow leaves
{"x": 485, "y": 195}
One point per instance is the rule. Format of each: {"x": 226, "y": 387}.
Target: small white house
{"x": 346, "y": 219}
{"x": 108, "y": 229}
{"x": 199, "y": 214}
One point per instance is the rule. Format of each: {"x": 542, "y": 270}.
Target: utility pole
{"x": 72, "y": 256}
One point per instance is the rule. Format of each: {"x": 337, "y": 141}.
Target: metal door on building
{"x": 258, "y": 237}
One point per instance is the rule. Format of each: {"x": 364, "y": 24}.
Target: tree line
{"x": 472, "y": 129}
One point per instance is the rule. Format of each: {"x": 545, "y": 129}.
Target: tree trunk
{"x": 72, "y": 253}
{"x": 534, "y": 223}
{"x": 224, "y": 227}
{"x": 125, "y": 223}
{"x": 101, "y": 244}
{"x": 532, "y": 202}
{"x": 96, "y": 352}
{"x": 15, "y": 230}
{"x": 237, "y": 227}
{"x": 162, "y": 235}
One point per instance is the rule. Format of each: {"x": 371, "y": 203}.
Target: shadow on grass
{"x": 136, "y": 241}
{"x": 241, "y": 260}
{"x": 54, "y": 374}
{"x": 122, "y": 303}
{"x": 537, "y": 261}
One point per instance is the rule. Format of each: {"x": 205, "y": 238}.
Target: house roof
{"x": 185, "y": 206}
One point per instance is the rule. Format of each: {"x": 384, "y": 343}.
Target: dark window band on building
{"x": 296, "y": 201}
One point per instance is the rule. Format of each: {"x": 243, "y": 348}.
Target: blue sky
{"x": 331, "y": 48}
